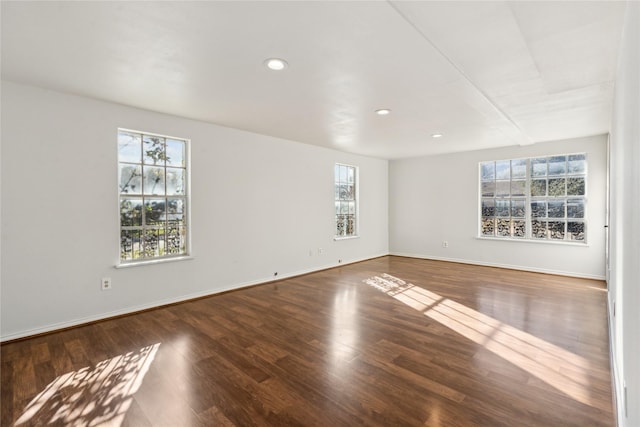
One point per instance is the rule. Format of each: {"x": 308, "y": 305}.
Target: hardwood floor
{"x": 389, "y": 342}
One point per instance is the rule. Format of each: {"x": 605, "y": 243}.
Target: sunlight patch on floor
{"x": 559, "y": 368}
{"x": 92, "y": 396}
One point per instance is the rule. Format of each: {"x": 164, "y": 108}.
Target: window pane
{"x": 343, "y": 192}
{"x": 557, "y": 165}
{"x": 519, "y": 228}
{"x": 129, "y": 147}
{"x": 153, "y": 244}
{"x": 336, "y": 173}
{"x": 343, "y": 174}
{"x": 503, "y": 188}
{"x": 130, "y": 245}
{"x": 350, "y": 192}
{"x": 575, "y": 186}
{"x": 539, "y": 229}
{"x": 352, "y": 208}
{"x": 539, "y": 167}
{"x": 556, "y": 208}
{"x": 503, "y": 169}
{"x": 130, "y": 179}
{"x": 503, "y": 227}
{"x": 351, "y": 225}
{"x": 518, "y": 208}
{"x": 557, "y": 187}
{"x": 175, "y": 212}
{"x": 575, "y": 230}
{"x": 556, "y": 230}
{"x": 488, "y": 171}
{"x": 175, "y": 242}
{"x": 154, "y": 211}
{"x": 175, "y": 181}
{"x": 344, "y": 207}
{"x": 175, "y": 153}
{"x": 518, "y": 188}
{"x": 153, "y": 180}
{"x": 153, "y": 150}
{"x": 488, "y": 207}
{"x": 351, "y": 175}
{"x": 539, "y": 209}
{"x": 341, "y": 225}
{"x": 539, "y": 187}
{"x": 130, "y": 212}
{"x": 488, "y": 189}
{"x": 575, "y": 208}
{"x": 488, "y": 226}
{"x": 502, "y": 208}
{"x": 518, "y": 169}
{"x": 577, "y": 163}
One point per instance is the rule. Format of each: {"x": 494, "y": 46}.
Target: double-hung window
{"x": 153, "y": 199}
{"x": 346, "y": 219}
{"x": 541, "y": 198}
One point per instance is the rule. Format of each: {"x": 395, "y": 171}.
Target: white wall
{"x": 433, "y": 199}
{"x": 624, "y": 282}
{"x": 259, "y": 205}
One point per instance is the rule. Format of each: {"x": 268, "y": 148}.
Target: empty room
{"x": 320, "y": 213}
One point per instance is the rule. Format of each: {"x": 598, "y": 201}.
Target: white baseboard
{"x": 508, "y": 266}
{"x": 159, "y": 303}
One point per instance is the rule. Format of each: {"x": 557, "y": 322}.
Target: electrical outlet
{"x": 445, "y": 244}
{"x": 105, "y": 284}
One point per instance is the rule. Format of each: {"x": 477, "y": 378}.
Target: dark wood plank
{"x": 390, "y": 341}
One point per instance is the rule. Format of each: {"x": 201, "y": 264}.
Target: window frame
{"x": 338, "y": 200}
{"x": 529, "y": 199}
{"x": 185, "y": 197}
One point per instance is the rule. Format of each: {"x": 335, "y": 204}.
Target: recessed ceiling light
{"x": 383, "y": 111}
{"x": 276, "y": 64}
{"x": 436, "y": 135}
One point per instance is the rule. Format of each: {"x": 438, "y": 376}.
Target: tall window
{"x": 346, "y": 200}
{"x": 153, "y": 196}
{"x": 540, "y": 198}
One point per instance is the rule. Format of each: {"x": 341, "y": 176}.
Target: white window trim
{"x": 356, "y": 231}
{"x": 337, "y": 238}
{"x": 528, "y": 237}
{"x": 167, "y": 258}
{"x": 154, "y": 261}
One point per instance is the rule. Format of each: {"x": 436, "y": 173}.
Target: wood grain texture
{"x": 387, "y": 342}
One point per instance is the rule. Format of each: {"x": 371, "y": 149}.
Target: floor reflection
{"x": 91, "y": 396}
{"x": 557, "y": 367}
{"x": 344, "y": 329}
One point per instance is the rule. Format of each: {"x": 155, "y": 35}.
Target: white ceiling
{"x": 484, "y": 74}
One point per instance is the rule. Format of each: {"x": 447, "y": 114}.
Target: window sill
{"x": 336, "y": 238}
{"x": 154, "y": 261}
{"x": 544, "y": 242}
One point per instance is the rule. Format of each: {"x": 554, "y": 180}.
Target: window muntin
{"x": 152, "y": 186}
{"x": 541, "y": 198}
{"x": 345, "y": 177}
